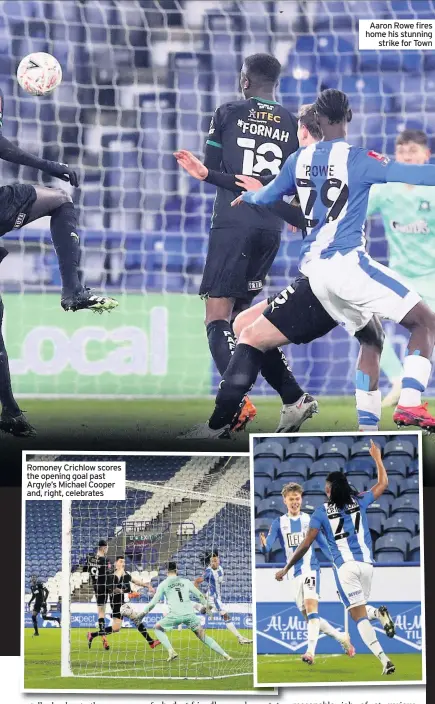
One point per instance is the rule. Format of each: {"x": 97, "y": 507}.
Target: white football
{"x": 127, "y": 610}
{"x": 39, "y": 73}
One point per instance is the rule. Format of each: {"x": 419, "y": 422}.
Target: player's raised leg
{"x": 12, "y": 419}
{"x": 57, "y": 204}
{"x": 367, "y": 393}
{"x": 382, "y": 615}
{"x": 209, "y": 641}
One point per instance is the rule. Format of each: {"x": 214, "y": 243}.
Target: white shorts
{"x": 354, "y": 582}
{"x": 306, "y": 586}
{"x": 217, "y": 604}
{"x": 353, "y": 287}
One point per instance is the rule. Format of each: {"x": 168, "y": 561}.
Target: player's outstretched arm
{"x": 382, "y": 482}
{"x": 267, "y": 543}
{"x": 298, "y": 553}
{"x": 195, "y": 168}
{"x": 283, "y": 184}
{"x": 10, "y": 152}
{"x": 199, "y": 595}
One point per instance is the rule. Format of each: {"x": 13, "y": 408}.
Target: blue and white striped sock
{"x": 368, "y": 403}
{"x": 416, "y": 374}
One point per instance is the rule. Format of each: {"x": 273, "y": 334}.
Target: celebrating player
{"x": 119, "y": 586}
{"x": 250, "y": 136}
{"x": 177, "y": 591}
{"x": 40, "y": 596}
{"x": 343, "y": 522}
{"x": 333, "y": 179}
{"x": 409, "y": 223}
{"x": 22, "y": 203}
{"x": 291, "y": 530}
{"x": 101, "y": 573}
{"x": 213, "y": 580}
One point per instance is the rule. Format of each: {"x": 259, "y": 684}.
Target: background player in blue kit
{"x": 343, "y": 522}
{"x": 333, "y": 180}
{"x": 291, "y": 530}
{"x": 213, "y": 580}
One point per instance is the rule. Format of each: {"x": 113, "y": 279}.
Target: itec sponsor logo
{"x": 418, "y": 227}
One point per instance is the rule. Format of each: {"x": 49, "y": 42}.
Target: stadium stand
{"x": 393, "y": 518}
{"x": 188, "y": 527}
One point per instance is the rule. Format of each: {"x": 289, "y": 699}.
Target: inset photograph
{"x": 153, "y": 592}
{"x": 338, "y": 580}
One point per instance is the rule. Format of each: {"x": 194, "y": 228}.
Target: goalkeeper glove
{"x": 64, "y": 172}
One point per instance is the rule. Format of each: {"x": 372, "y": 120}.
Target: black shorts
{"x": 37, "y": 606}
{"x": 238, "y": 262}
{"x": 298, "y": 314}
{"x": 15, "y": 205}
{"x": 101, "y": 593}
{"x": 116, "y": 601}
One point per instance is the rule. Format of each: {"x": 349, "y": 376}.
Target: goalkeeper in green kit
{"x": 408, "y": 215}
{"x": 177, "y": 591}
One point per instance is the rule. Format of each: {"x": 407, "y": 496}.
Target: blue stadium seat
{"x": 407, "y": 502}
{"x": 310, "y": 503}
{"x": 414, "y": 549}
{"x": 285, "y": 442}
{"x": 320, "y": 468}
{"x": 260, "y": 559}
{"x": 413, "y": 467}
{"x": 382, "y": 505}
{"x": 360, "y": 448}
{"x": 269, "y": 448}
{"x": 412, "y": 519}
{"x": 400, "y": 523}
{"x": 257, "y": 499}
{"x": 360, "y": 465}
{"x": 396, "y": 465}
{"x": 265, "y": 467}
{"x": 376, "y": 524}
{"x": 410, "y": 485}
{"x": 302, "y": 448}
{"x": 270, "y": 508}
{"x": 261, "y": 484}
{"x": 390, "y": 557}
{"x": 292, "y": 467}
{"x": 278, "y": 555}
{"x": 392, "y": 543}
{"x": 262, "y": 525}
{"x": 315, "y": 487}
{"x": 360, "y": 482}
{"x": 402, "y": 448}
{"x": 334, "y": 448}
{"x": 275, "y": 488}
{"x": 394, "y": 487}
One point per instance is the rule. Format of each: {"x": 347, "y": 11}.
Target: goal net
{"x": 201, "y": 507}
{"x": 141, "y": 79}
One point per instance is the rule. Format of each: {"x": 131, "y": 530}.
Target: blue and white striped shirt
{"x": 291, "y": 531}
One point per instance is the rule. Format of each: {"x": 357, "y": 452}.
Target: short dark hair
{"x": 172, "y": 566}
{"x": 119, "y": 557}
{"x": 308, "y": 118}
{"x": 102, "y": 544}
{"x": 334, "y": 105}
{"x": 417, "y": 136}
{"x": 262, "y": 68}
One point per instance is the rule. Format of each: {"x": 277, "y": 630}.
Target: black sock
{"x": 6, "y": 396}
{"x": 238, "y": 379}
{"x": 51, "y": 618}
{"x": 63, "y": 226}
{"x": 279, "y": 376}
{"x": 108, "y": 630}
{"x": 142, "y": 629}
{"x": 222, "y": 342}
{"x": 101, "y": 627}
{"x": 35, "y": 624}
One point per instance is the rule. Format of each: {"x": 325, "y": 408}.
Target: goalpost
{"x": 181, "y": 520}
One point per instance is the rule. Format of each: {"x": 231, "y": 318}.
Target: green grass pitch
{"x": 129, "y": 660}
{"x": 279, "y": 669}
{"x": 153, "y": 424}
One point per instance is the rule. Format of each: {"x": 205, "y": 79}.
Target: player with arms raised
{"x": 120, "y": 584}
{"x": 253, "y": 136}
{"x": 343, "y": 522}
{"x": 178, "y": 591}
{"x": 291, "y": 530}
{"x": 213, "y": 579}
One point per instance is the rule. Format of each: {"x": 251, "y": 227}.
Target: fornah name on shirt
{"x": 319, "y": 170}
